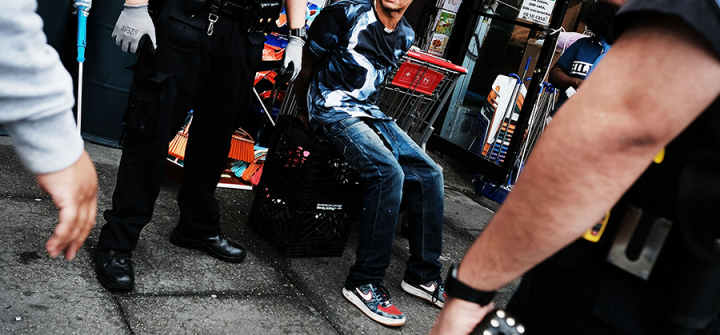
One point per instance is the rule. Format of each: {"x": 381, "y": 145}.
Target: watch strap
{"x": 298, "y": 32}
{"x": 458, "y": 289}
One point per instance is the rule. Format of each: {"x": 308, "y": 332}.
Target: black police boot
{"x": 114, "y": 269}
{"x": 219, "y": 246}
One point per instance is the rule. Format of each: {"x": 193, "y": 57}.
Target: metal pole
{"x": 541, "y": 67}
{"x": 82, "y": 12}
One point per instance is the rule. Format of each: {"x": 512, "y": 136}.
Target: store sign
{"x": 537, "y": 11}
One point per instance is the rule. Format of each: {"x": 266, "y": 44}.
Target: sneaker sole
{"x": 420, "y": 294}
{"x": 190, "y": 244}
{"x": 377, "y": 318}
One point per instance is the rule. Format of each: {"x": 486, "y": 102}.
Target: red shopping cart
{"x": 414, "y": 93}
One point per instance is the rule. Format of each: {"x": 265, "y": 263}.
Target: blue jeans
{"x": 405, "y": 171}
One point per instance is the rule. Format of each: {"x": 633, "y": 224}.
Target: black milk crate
{"x": 299, "y": 228}
{"x": 308, "y": 166}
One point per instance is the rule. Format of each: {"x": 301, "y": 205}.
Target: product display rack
{"x": 502, "y": 171}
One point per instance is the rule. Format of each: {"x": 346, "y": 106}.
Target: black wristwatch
{"x": 458, "y": 289}
{"x": 299, "y": 32}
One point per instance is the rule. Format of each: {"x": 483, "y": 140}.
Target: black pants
{"x": 213, "y": 75}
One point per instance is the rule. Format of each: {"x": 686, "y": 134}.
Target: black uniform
{"x": 213, "y": 75}
{"x": 579, "y": 291}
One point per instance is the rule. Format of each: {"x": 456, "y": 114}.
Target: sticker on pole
{"x": 537, "y": 11}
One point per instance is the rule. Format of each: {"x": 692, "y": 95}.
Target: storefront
{"x": 484, "y": 37}
{"x": 498, "y": 41}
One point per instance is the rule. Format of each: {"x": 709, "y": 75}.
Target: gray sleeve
{"x": 36, "y": 92}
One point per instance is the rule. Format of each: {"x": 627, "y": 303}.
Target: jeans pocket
{"x": 334, "y": 129}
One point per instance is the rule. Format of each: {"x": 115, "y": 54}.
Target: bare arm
{"x": 302, "y": 84}
{"x": 590, "y": 156}
{"x": 295, "y": 10}
{"x": 562, "y": 81}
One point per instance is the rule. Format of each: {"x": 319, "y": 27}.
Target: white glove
{"x": 134, "y": 23}
{"x": 292, "y": 58}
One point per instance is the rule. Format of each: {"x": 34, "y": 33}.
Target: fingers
{"x": 74, "y": 192}
{"x": 286, "y": 71}
{"x": 154, "y": 41}
{"x": 75, "y": 225}
{"x": 143, "y": 42}
{"x": 296, "y": 71}
{"x": 127, "y": 45}
{"x": 64, "y": 232}
{"x": 81, "y": 231}
{"x": 119, "y": 41}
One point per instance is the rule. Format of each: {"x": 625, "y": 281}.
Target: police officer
{"x": 654, "y": 267}
{"x": 203, "y": 58}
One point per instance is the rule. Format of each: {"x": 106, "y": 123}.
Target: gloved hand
{"x": 134, "y": 23}
{"x": 292, "y": 58}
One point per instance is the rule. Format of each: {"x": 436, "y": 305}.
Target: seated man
{"x": 352, "y": 45}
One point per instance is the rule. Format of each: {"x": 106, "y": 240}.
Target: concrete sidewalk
{"x": 181, "y": 291}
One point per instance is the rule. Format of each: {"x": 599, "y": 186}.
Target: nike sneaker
{"x": 433, "y": 291}
{"x": 374, "y": 301}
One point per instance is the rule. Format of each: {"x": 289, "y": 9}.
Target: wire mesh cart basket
{"x": 414, "y": 93}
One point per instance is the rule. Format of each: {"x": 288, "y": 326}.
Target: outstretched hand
{"x": 74, "y": 192}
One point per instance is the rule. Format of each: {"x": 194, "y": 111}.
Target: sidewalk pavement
{"x": 179, "y": 291}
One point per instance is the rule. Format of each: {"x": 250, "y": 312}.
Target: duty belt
{"x": 254, "y": 15}
{"x": 236, "y": 9}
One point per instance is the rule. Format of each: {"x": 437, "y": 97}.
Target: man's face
{"x": 394, "y": 5}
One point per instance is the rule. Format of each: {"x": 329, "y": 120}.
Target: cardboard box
{"x": 533, "y": 50}
{"x": 571, "y": 15}
{"x": 520, "y": 33}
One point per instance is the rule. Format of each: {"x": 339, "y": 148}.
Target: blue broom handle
{"x": 82, "y": 24}
{"x": 83, "y": 10}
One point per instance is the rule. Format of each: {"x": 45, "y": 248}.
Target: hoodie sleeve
{"x": 36, "y": 92}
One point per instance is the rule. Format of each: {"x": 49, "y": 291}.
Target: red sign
{"x": 417, "y": 78}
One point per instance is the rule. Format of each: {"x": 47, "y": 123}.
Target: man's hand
{"x": 459, "y": 317}
{"x": 134, "y": 23}
{"x": 292, "y": 59}
{"x": 74, "y": 191}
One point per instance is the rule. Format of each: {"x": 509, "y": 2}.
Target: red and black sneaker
{"x": 374, "y": 301}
